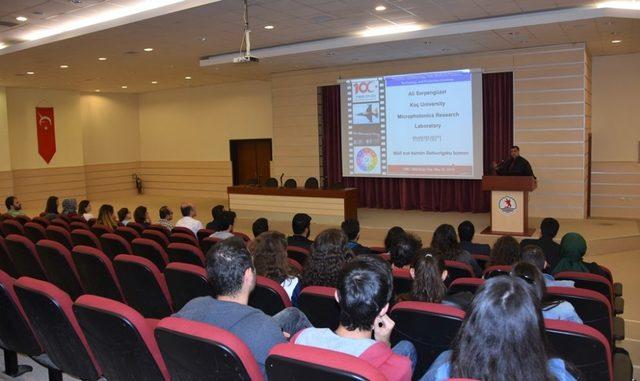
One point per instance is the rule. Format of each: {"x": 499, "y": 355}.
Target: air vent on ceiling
{"x": 131, "y": 52}
{"x": 8, "y": 24}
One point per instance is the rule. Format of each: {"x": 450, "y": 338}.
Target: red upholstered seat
{"x": 208, "y": 243}
{"x": 195, "y": 351}
{"x": 143, "y": 285}
{"x": 185, "y": 253}
{"x": 127, "y": 233}
{"x": 121, "y": 338}
{"x": 78, "y": 225}
{"x": 181, "y": 229}
{"x": 466, "y": 284}
{"x": 156, "y": 236}
{"x": 457, "y": 270}
{"x": 204, "y": 233}
{"x": 49, "y": 311}
{"x": 186, "y": 282}
{"x": 22, "y": 218}
{"x": 244, "y": 237}
{"x": 136, "y": 226}
{"x": 59, "y": 267}
{"x": 41, "y": 221}
{"x": 59, "y": 234}
{"x": 85, "y": 238}
{"x": 184, "y": 238}
{"x": 161, "y": 229}
{"x": 114, "y": 245}
{"x": 481, "y": 259}
{"x": 498, "y": 270}
{"x": 6, "y": 264}
{"x": 34, "y": 231}
{"x": 23, "y": 256}
{"x": 151, "y": 250}
{"x": 12, "y": 227}
{"x": 402, "y": 281}
{"x": 589, "y": 281}
{"x": 301, "y": 362}
{"x": 269, "y": 296}
{"x": 320, "y": 306}
{"x": 62, "y": 223}
{"x": 99, "y": 229}
{"x": 96, "y": 273}
{"x": 293, "y": 263}
{"x": 298, "y": 254}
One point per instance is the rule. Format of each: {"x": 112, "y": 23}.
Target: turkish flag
{"x": 46, "y": 128}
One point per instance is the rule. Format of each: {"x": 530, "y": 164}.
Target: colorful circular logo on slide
{"x": 507, "y": 204}
{"x": 367, "y": 160}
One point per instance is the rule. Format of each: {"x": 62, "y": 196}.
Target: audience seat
{"x": 466, "y": 284}
{"x": 244, "y": 237}
{"x": 156, "y": 236}
{"x": 23, "y": 256}
{"x": 289, "y": 362}
{"x": 207, "y": 243}
{"x": 59, "y": 234}
{"x": 181, "y": 229}
{"x": 12, "y": 227}
{"x": 298, "y": 254}
{"x": 295, "y": 265}
{"x": 481, "y": 259}
{"x": 85, "y": 238}
{"x": 96, "y": 273}
{"x": 269, "y": 296}
{"x": 589, "y": 281}
{"x": 135, "y": 226}
{"x": 151, "y": 250}
{"x": 492, "y": 271}
{"x": 143, "y": 285}
{"x": 290, "y": 183}
{"x": 121, "y": 339}
{"x": 34, "y": 231}
{"x": 160, "y": 228}
{"x": 114, "y": 245}
{"x": 430, "y": 327}
{"x": 22, "y": 218}
{"x": 198, "y": 351}
{"x": 402, "y": 281}
{"x": 41, "y": 221}
{"x": 62, "y": 223}
{"x": 186, "y": 282}
{"x": 189, "y": 239}
{"x": 203, "y": 233}
{"x": 617, "y": 287}
{"x": 6, "y": 264}
{"x": 311, "y": 183}
{"x": 185, "y": 253}
{"x": 59, "y": 267}
{"x": 457, "y": 270}
{"x": 79, "y": 225}
{"x": 377, "y": 249}
{"x": 127, "y": 233}
{"x": 49, "y": 311}
{"x": 99, "y": 229}
{"x": 64, "y": 218}
{"x": 320, "y": 306}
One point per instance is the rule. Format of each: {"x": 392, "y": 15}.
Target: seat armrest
{"x": 618, "y": 328}
{"x": 617, "y": 289}
{"x": 622, "y": 366}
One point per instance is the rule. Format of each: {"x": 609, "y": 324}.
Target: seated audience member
{"x": 259, "y": 226}
{"x": 166, "y": 215}
{"x": 14, "y": 207}
{"x": 466, "y": 230}
{"x": 106, "y": 217}
{"x": 505, "y": 252}
{"x": 69, "y": 207}
{"x": 502, "y": 338}
{"x": 188, "y": 221}
{"x": 390, "y": 238}
{"x": 270, "y": 259}
{"x": 328, "y": 254}
{"x": 533, "y": 254}
{"x": 428, "y": 273}
{"x": 124, "y": 216}
{"x": 301, "y": 226}
{"x": 351, "y": 228}
{"x": 548, "y": 230}
{"x": 216, "y": 214}
{"x": 445, "y": 240}
{"x": 84, "y": 209}
{"x": 363, "y": 293}
{"x": 572, "y": 248}
{"x": 551, "y": 309}
{"x": 404, "y": 249}
{"x": 233, "y": 278}
{"x": 225, "y": 227}
{"x": 141, "y": 216}
{"x": 51, "y": 209}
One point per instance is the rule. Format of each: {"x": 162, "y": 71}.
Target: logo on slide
{"x": 507, "y": 204}
{"x": 366, "y": 90}
{"x": 367, "y": 160}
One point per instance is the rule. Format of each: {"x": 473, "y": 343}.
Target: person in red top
{"x": 365, "y": 288}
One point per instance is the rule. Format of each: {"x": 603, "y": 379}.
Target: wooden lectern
{"x": 509, "y": 204}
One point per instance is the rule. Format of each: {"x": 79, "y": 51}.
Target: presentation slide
{"x": 424, "y": 125}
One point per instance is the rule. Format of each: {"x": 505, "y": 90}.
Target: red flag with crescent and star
{"x": 46, "y": 128}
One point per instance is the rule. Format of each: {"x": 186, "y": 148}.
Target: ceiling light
{"x": 97, "y": 90}
{"x": 124, "y": 86}
{"x": 635, "y": 5}
{"x": 30, "y": 73}
{"x": 616, "y": 41}
{"x": 64, "y": 66}
{"x": 21, "y": 18}
{"x": 154, "y": 82}
{"x": 148, "y": 49}
{"x": 269, "y": 27}
{"x": 3, "y": 45}
{"x": 390, "y": 29}
{"x": 187, "y": 77}
{"x": 381, "y": 8}
{"x": 102, "y": 58}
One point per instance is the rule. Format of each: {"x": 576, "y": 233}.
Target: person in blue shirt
{"x": 534, "y": 254}
{"x": 501, "y": 339}
{"x": 351, "y": 227}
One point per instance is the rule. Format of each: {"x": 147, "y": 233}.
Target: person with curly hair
{"x": 445, "y": 240}
{"x": 329, "y": 253}
{"x": 505, "y": 252}
{"x": 270, "y": 260}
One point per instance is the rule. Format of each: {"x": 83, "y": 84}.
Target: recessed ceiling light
{"x": 97, "y": 90}
{"x": 148, "y": 49}
{"x": 154, "y": 82}
{"x": 381, "y": 8}
{"x": 102, "y": 58}
{"x": 187, "y": 77}
{"x": 390, "y": 29}
{"x": 633, "y": 5}
{"x": 21, "y": 18}
{"x": 3, "y": 45}
{"x": 30, "y": 73}
{"x": 269, "y": 27}
{"x": 64, "y": 66}
{"x": 616, "y": 41}
{"x": 124, "y": 86}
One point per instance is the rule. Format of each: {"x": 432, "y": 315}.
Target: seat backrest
{"x": 298, "y": 254}
{"x": 301, "y": 362}
{"x": 136, "y": 226}
{"x": 79, "y": 225}
{"x": 430, "y": 327}
{"x": 184, "y": 238}
{"x": 186, "y": 282}
{"x": 143, "y": 285}
{"x": 295, "y": 265}
{"x": 96, "y": 273}
{"x": 583, "y": 347}
{"x": 311, "y": 183}
{"x": 320, "y": 306}
{"x": 86, "y": 238}
{"x": 15, "y": 330}
{"x": 196, "y": 351}
{"x": 402, "y": 281}
{"x": 41, "y": 221}
{"x": 49, "y": 310}
{"x": 62, "y": 223}
{"x": 185, "y": 253}
{"x": 203, "y": 233}
{"x": 59, "y": 234}
{"x": 481, "y": 259}
{"x": 121, "y": 339}
{"x": 6, "y": 264}
{"x": 290, "y": 183}
{"x": 59, "y": 267}
{"x": 22, "y": 218}
{"x": 151, "y": 250}
{"x": 114, "y": 245}
{"x": 181, "y": 229}
{"x": 497, "y": 270}
{"x": 127, "y": 233}
{"x": 160, "y": 228}
{"x": 457, "y": 270}
{"x": 589, "y": 281}
{"x": 34, "y": 231}
{"x": 466, "y": 284}
{"x": 208, "y": 243}
{"x": 23, "y": 256}
{"x": 269, "y": 296}
{"x": 12, "y": 227}
{"x": 244, "y": 237}
{"x": 99, "y": 229}
{"x": 154, "y": 235}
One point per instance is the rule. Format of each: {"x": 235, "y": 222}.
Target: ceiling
{"x": 180, "y": 38}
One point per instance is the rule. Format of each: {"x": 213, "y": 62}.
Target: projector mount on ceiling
{"x": 245, "y": 46}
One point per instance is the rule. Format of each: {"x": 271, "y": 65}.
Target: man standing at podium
{"x": 516, "y": 165}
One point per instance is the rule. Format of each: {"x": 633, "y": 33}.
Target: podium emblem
{"x": 507, "y": 205}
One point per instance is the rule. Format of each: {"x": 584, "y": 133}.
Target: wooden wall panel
{"x": 615, "y": 189}
{"x": 188, "y": 179}
{"x": 105, "y": 181}
{"x": 6, "y": 184}
{"x": 34, "y": 186}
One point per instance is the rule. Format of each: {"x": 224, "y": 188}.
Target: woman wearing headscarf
{"x": 572, "y": 248}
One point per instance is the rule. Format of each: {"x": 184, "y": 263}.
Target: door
{"x": 251, "y": 160}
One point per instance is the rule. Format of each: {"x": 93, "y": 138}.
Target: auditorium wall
{"x": 6, "y": 179}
